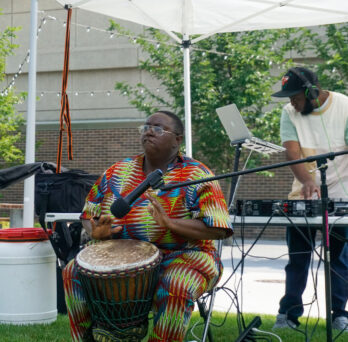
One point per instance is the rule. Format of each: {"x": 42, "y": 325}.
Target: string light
{"x": 26, "y": 58}
{"x": 88, "y": 28}
{"x": 157, "y": 44}
{"x": 43, "y": 93}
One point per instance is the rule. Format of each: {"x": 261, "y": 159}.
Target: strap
{"x": 65, "y": 111}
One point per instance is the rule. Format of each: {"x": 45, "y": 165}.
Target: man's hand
{"x": 101, "y": 230}
{"x": 293, "y": 152}
{"x": 309, "y": 188}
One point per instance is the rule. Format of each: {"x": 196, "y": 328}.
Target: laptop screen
{"x": 233, "y": 123}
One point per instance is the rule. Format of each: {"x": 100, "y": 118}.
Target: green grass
{"x": 59, "y": 330}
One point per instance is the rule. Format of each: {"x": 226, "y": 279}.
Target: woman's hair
{"x": 179, "y": 127}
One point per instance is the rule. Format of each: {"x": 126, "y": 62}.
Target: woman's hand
{"x": 157, "y": 212}
{"x": 189, "y": 229}
{"x": 101, "y": 230}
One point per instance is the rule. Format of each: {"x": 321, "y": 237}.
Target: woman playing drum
{"x": 182, "y": 223}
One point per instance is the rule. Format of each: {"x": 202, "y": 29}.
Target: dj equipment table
{"x": 237, "y": 220}
{"x": 284, "y": 221}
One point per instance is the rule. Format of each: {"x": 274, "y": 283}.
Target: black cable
{"x": 338, "y": 237}
{"x": 311, "y": 243}
{"x": 338, "y": 335}
{"x": 315, "y": 283}
{"x": 253, "y": 244}
{"x": 269, "y": 258}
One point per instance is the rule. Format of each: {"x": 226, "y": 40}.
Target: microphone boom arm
{"x": 330, "y": 155}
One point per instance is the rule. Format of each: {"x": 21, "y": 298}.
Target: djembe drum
{"x": 118, "y": 278}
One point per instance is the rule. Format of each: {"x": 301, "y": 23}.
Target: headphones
{"x": 311, "y": 91}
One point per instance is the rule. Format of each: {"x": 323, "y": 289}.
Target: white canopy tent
{"x": 181, "y": 19}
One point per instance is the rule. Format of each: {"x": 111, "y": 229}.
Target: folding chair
{"x": 204, "y": 313}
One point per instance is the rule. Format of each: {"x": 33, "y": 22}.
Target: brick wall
{"x": 93, "y": 150}
{"x": 97, "y": 149}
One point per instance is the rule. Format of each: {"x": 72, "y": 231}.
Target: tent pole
{"x": 29, "y": 183}
{"x": 187, "y": 95}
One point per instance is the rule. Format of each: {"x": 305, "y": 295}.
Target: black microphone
{"x": 122, "y": 206}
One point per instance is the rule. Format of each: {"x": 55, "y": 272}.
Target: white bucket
{"x": 28, "y": 290}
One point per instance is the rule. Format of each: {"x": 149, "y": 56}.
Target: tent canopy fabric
{"x": 206, "y": 17}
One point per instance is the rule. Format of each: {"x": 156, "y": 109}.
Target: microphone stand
{"x": 234, "y": 180}
{"x": 321, "y": 160}
{"x": 322, "y": 166}
{"x": 330, "y": 156}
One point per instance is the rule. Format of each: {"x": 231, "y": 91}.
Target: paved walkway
{"x": 263, "y": 281}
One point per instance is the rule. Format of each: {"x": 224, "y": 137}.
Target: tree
{"x": 330, "y": 45}
{"x": 10, "y": 121}
{"x": 226, "y": 68}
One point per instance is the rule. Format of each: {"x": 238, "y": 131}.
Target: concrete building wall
{"x": 97, "y": 62}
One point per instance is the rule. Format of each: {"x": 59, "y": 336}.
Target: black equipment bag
{"x": 61, "y": 192}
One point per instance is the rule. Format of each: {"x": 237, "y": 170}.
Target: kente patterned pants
{"x": 184, "y": 277}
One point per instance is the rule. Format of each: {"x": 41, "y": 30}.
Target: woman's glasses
{"x": 158, "y": 130}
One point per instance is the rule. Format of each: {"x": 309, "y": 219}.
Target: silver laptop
{"x": 238, "y": 132}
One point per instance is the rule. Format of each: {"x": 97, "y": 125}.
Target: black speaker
{"x": 311, "y": 91}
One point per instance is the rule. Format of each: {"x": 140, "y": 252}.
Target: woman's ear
{"x": 179, "y": 139}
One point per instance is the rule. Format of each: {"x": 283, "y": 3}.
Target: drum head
{"x": 117, "y": 255}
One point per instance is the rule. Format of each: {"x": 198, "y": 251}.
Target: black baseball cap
{"x": 292, "y": 84}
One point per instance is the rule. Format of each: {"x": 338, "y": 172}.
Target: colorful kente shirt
{"x": 204, "y": 201}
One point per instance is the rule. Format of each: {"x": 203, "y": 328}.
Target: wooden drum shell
{"x": 119, "y": 295}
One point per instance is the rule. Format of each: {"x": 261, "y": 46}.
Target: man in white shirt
{"x": 314, "y": 122}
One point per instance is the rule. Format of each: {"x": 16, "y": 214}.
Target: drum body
{"x": 118, "y": 278}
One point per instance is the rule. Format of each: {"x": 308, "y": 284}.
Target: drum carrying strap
{"x": 65, "y": 111}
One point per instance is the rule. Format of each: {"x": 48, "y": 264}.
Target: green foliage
{"x": 6, "y": 47}
{"x": 239, "y": 72}
{"x": 330, "y": 45}
{"x": 10, "y": 124}
{"x": 10, "y": 121}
